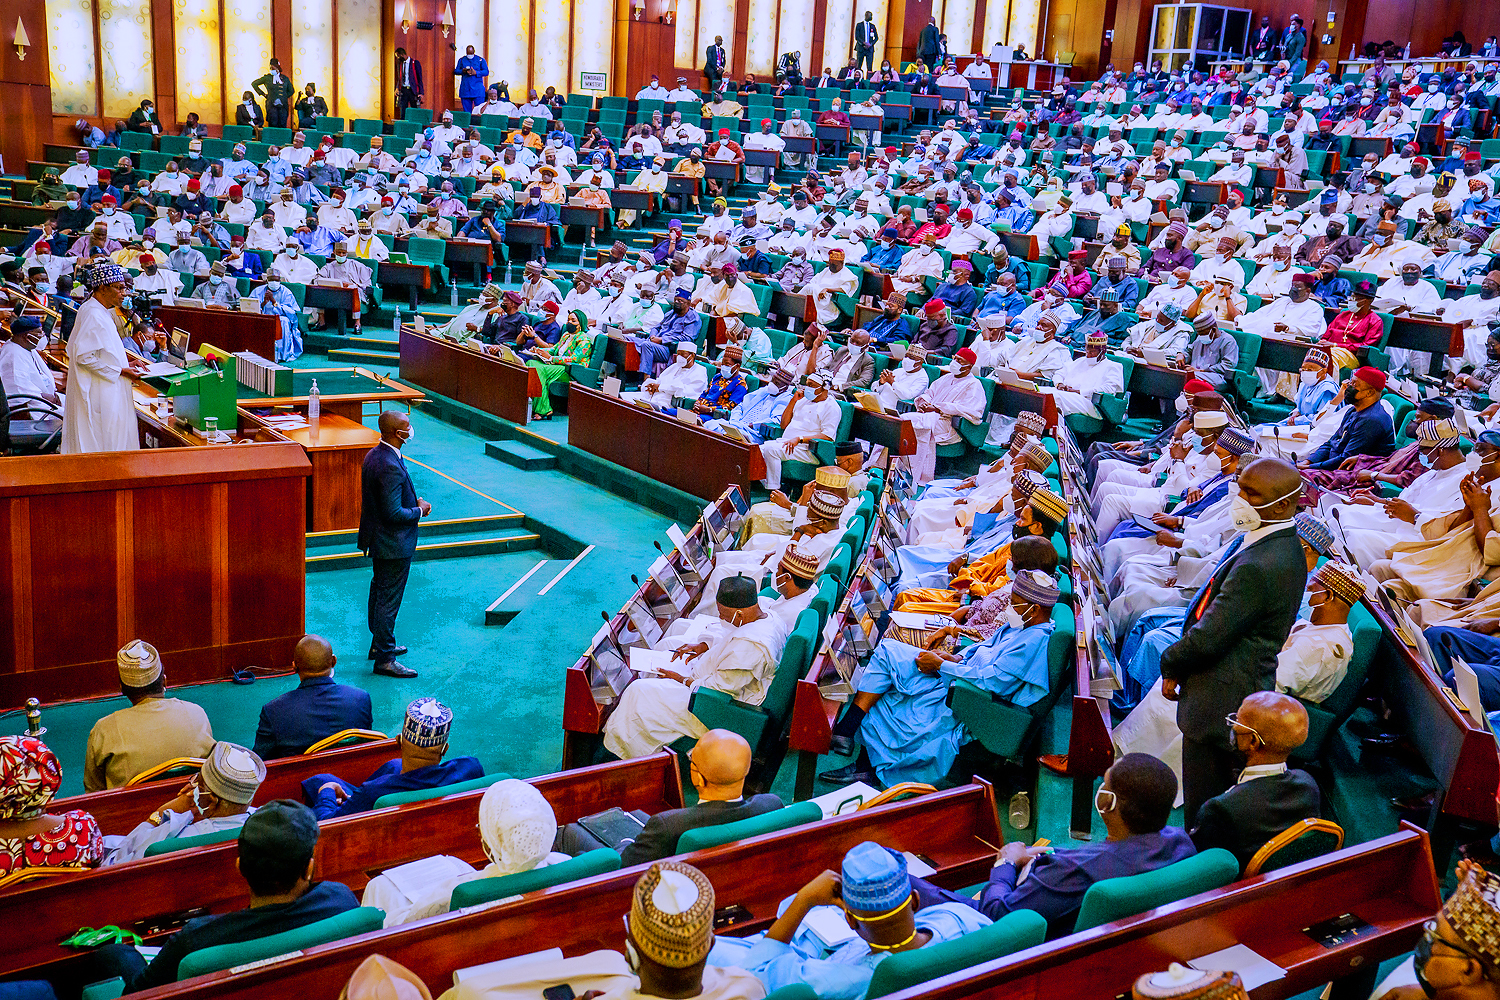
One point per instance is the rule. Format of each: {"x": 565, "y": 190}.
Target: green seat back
{"x": 1117, "y": 898}
{"x": 350, "y": 923}
{"x": 369, "y": 126}
{"x": 423, "y": 794}
{"x": 1313, "y": 844}
{"x": 486, "y": 890}
{"x": 1016, "y": 931}
{"x": 796, "y": 991}
{"x": 174, "y": 844}
{"x": 425, "y": 250}
{"x": 276, "y": 136}
{"x": 703, "y": 837}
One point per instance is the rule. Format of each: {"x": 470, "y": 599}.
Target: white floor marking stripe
{"x": 564, "y": 572}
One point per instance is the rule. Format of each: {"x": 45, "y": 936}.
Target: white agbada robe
{"x": 908, "y": 383}
{"x": 1044, "y": 357}
{"x": 1084, "y": 377}
{"x": 676, "y": 381}
{"x": 953, "y": 397}
{"x": 99, "y": 413}
{"x": 1308, "y": 659}
{"x": 809, "y": 419}
{"x": 1369, "y": 532}
{"x": 917, "y": 264}
{"x": 653, "y": 711}
{"x": 24, "y": 373}
{"x": 1479, "y": 311}
{"x": 823, "y": 287}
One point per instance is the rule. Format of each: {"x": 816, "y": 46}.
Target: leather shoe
{"x": 848, "y": 775}
{"x": 397, "y": 651}
{"x": 1057, "y": 763}
{"x": 1415, "y": 803}
{"x": 844, "y": 746}
{"x": 390, "y": 668}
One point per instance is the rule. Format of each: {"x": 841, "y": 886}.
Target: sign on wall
{"x": 593, "y": 81}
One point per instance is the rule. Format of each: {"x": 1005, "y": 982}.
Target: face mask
{"x": 1381, "y": 239}
{"x": 1193, "y": 440}
{"x": 73, "y": 203}
{"x": 127, "y": 303}
{"x": 1246, "y": 515}
{"x": 273, "y": 285}
{"x": 725, "y": 371}
{"x": 1308, "y": 378}
{"x": 1013, "y": 618}
{"x": 216, "y": 279}
{"x": 1038, "y": 336}
{"x": 1425, "y": 459}
{"x": 109, "y": 210}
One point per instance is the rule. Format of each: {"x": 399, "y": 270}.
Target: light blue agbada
{"x": 910, "y": 734}
{"x": 1310, "y": 399}
{"x": 843, "y": 973}
{"x": 760, "y": 406}
{"x": 927, "y": 565}
{"x": 284, "y": 307}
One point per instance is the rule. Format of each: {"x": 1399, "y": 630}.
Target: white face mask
{"x": 1308, "y": 378}
{"x": 1013, "y": 618}
{"x": 292, "y": 251}
{"x": 1177, "y": 282}
{"x": 1182, "y": 403}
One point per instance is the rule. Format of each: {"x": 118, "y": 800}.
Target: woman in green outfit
{"x": 575, "y": 347}
{"x": 49, "y": 188}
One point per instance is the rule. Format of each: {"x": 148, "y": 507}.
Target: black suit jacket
{"x": 865, "y": 33}
{"x": 1244, "y": 818}
{"x": 716, "y": 59}
{"x": 313, "y": 710}
{"x": 416, "y": 76}
{"x": 659, "y": 838}
{"x": 1228, "y": 648}
{"x": 388, "y": 514}
{"x": 243, "y": 115}
{"x": 927, "y": 42}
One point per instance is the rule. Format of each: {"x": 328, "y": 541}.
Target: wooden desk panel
{"x": 196, "y": 550}
{"x": 334, "y": 488}
{"x": 350, "y": 850}
{"x": 227, "y": 328}
{"x": 118, "y": 810}
{"x": 692, "y": 459}
{"x": 474, "y": 379}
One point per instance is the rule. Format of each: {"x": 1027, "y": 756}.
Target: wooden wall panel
{"x": 172, "y": 565}
{"x": 914, "y": 19}
{"x": 25, "y": 84}
{"x": 74, "y": 586}
{"x": 266, "y": 552}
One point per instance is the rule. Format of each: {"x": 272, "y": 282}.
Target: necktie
{"x": 1201, "y": 601}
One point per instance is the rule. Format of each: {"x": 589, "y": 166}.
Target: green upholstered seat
{"x": 796, "y": 991}
{"x": 1117, "y": 898}
{"x": 485, "y": 890}
{"x": 350, "y": 923}
{"x": 424, "y": 250}
{"x": 702, "y": 837}
{"x": 174, "y": 844}
{"x": 423, "y": 794}
{"x": 761, "y": 724}
{"x": 1002, "y": 728}
{"x": 1013, "y": 932}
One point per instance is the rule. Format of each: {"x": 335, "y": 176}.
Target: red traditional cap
{"x": 1077, "y": 254}
{"x": 235, "y": 189}
{"x": 723, "y": 133}
{"x": 933, "y": 306}
{"x": 1196, "y": 385}
{"x": 1472, "y": 156}
{"x": 551, "y": 306}
{"x": 42, "y": 246}
{"x": 1422, "y": 160}
{"x": 967, "y": 356}
{"x": 108, "y": 199}
{"x": 194, "y": 184}
{"x": 965, "y": 215}
{"x": 1306, "y": 279}
{"x": 1371, "y": 376}
{"x": 763, "y": 121}
{"x": 388, "y": 200}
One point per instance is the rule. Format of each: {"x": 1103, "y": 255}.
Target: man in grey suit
{"x": 865, "y": 37}
{"x": 1268, "y": 796}
{"x": 1235, "y": 626}
{"x": 388, "y": 516}
{"x": 853, "y": 365}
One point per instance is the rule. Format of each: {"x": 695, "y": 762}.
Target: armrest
{"x": 824, "y": 452}
{"x": 999, "y": 726}
{"x": 1112, "y": 407}
{"x": 973, "y": 433}
{"x": 584, "y": 375}
{"x": 716, "y": 710}
{"x": 1246, "y": 385}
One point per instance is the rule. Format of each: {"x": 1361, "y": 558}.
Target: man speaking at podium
{"x": 388, "y": 516}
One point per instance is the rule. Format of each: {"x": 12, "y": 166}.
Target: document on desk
{"x": 415, "y": 876}
{"x": 1254, "y": 970}
{"x": 652, "y": 662}
{"x": 161, "y": 368}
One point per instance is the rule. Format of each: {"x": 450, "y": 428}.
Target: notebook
{"x": 613, "y": 827}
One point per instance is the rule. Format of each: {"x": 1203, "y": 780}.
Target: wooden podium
{"x": 198, "y": 551}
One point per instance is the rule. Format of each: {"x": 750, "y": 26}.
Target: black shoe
{"x": 1415, "y": 803}
{"x": 395, "y": 652}
{"x": 390, "y": 668}
{"x": 844, "y": 746}
{"x": 848, "y": 775}
{"x": 1382, "y": 740}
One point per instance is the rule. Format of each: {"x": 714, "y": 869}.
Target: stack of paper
{"x": 255, "y": 372}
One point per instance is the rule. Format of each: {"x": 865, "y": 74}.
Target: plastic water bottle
{"x": 1020, "y": 811}
{"x": 314, "y": 412}
{"x": 453, "y": 294}
{"x": 396, "y": 323}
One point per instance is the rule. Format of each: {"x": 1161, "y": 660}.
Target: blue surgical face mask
{"x": 1193, "y": 440}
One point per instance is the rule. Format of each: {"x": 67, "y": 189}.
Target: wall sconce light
{"x": 407, "y": 17}
{"x": 671, "y": 11}
{"x": 638, "y": 9}
{"x": 22, "y": 41}
{"x": 446, "y": 21}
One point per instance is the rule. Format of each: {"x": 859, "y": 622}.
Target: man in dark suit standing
{"x": 927, "y": 45}
{"x": 1268, "y": 797}
{"x": 388, "y": 535}
{"x": 275, "y": 88}
{"x": 1235, "y": 626}
{"x": 865, "y": 37}
{"x": 713, "y": 67}
{"x": 408, "y": 83}
{"x": 315, "y": 709}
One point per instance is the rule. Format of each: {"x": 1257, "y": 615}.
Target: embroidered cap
{"x": 672, "y": 915}
{"x": 873, "y": 879}
{"x": 232, "y": 772}
{"x": 139, "y": 664}
{"x": 1342, "y": 581}
{"x": 1036, "y": 587}
{"x": 427, "y": 723}
{"x": 1312, "y": 530}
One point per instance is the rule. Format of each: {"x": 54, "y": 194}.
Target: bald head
{"x": 395, "y": 426}
{"x": 1280, "y": 721}
{"x": 313, "y": 657}
{"x": 1273, "y": 486}
{"x": 720, "y": 762}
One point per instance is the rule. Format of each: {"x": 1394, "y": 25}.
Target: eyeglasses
{"x": 1232, "y": 721}
{"x": 1430, "y": 936}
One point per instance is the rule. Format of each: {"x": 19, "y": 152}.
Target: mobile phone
{"x": 1042, "y": 842}
{"x": 562, "y": 991}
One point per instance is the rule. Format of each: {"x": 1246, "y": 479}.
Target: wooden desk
{"x": 351, "y": 850}
{"x": 470, "y": 377}
{"x": 198, "y": 551}
{"x": 589, "y": 216}
{"x": 342, "y": 300}
{"x": 227, "y": 328}
{"x": 118, "y": 810}
{"x": 1282, "y": 355}
{"x": 478, "y": 254}
{"x": 692, "y": 459}
{"x": 1013, "y": 401}
{"x": 634, "y": 198}
{"x": 1438, "y": 339}
{"x": 1390, "y": 883}
{"x": 343, "y": 391}
{"x": 333, "y": 489}
{"x": 883, "y": 429}
{"x": 528, "y": 234}
{"x": 1154, "y": 380}
{"x": 950, "y": 827}
{"x": 415, "y": 278}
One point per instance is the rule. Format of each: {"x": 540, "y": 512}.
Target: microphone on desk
{"x": 1342, "y": 537}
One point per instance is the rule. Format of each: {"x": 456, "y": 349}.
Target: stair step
{"x": 522, "y": 456}
{"x": 489, "y": 524}
{"x": 522, "y": 593}
{"x": 385, "y": 342}
{"x": 453, "y": 549}
{"x": 363, "y": 354}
